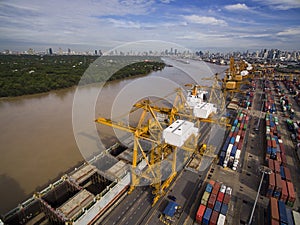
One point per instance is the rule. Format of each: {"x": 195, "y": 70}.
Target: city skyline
{"x": 107, "y": 24}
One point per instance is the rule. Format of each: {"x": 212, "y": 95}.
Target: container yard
{"x": 250, "y": 178}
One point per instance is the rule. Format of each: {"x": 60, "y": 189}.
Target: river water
{"x": 36, "y": 132}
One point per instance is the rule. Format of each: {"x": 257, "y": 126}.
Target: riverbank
{"x": 27, "y": 75}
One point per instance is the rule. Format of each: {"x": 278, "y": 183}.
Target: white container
{"x": 237, "y": 154}
{"x": 237, "y": 139}
{"x": 204, "y": 109}
{"x": 178, "y": 132}
{"x": 221, "y": 219}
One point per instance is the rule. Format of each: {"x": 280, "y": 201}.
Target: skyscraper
{"x": 50, "y": 51}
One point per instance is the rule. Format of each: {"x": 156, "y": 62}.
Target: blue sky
{"x": 195, "y": 24}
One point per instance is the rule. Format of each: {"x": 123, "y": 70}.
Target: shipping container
{"x": 273, "y": 207}
{"x": 220, "y": 196}
{"x": 200, "y": 213}
{"x": 205, "y": 198}
{"x": 284, "y": 192}
{"x": 224, "y": 209}
{"x": 216, "y": 188}
{"x": 208, "y": 188}
{"x": 283, "y": 160}
{"x": 271, "y": 164}
{"x": 282, "y": 173}
{"x": 271, "y": 185}
{"x": 207, "y": 216}
{"x": 240, "y": 145}
{"x": 282, "y": 212}
{"x": 287, "y": 174}
{"x": 221, "y": 219}
{"x": 289, "y": 215}
{"x": 233, "y": 151}
{"x": 296, "y": 216}
{"x": 218, "y": 205}
{"x": 292, "y": 196}
{"x": 226, "y": 199}
{"x": 214, "y": 218}
{"x": 211, "y": 201}
{"x": 276, "y": 166}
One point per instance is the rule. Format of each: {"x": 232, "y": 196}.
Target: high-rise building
{"x": 69, "y": 51}
{"x": 96, "y": 52}
{"x": 50, "y": 51}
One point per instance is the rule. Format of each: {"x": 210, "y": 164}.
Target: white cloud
{"x": 280, "y": 4}
{"x": 238, "y": 6}
{"x": 204, "y": 20}
{"x": 290, "y": 32}
{"x": 167, "y": 1}
{"x": 124, "y": 23}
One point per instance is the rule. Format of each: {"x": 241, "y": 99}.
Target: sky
{"x": 105, "y": 24}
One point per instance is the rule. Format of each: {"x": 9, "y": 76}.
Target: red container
{"x": 230, "y": 134}
{"x": 220, "y": 197}
{"x": 240, "y": 145}
{"x": 271, "y": 185}
{"x": 200, "y": 213}
{"x": 214, "y": 218}
{"x": 274, "y": 209}
{"x": 282, "y": 149}
{"x": 276, "y": 166}
{"x": 287, "y": 174}
{"x": 284, "y": 192}
{"x": 226, "y": 199}
{"x": 283, "y": 159}
{"x": 243, "y": 133}
{"x": 211, "y": 201}
{"x": 271, "y": 164}
{"x": 212, "y": 182}
{"x": 269, "y": 143}
{"x": 216, "y": 188}
{"x": 278, "y": 179}
{"x": 291, "y": 190}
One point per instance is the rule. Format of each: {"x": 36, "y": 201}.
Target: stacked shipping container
{"x": 280, "y": 214}
{"x": 214, "y": 204}
{"x": 231, "y": 150}
{"x": 279, "y": 182}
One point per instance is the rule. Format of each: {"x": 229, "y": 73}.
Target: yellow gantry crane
{"x": 149, "y": 128}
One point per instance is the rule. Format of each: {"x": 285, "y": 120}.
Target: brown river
{"x": 36, "y": 132}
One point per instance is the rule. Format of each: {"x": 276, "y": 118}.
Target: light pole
{"x": 264, "y": 170}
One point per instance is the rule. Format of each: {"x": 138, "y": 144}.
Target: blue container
{"x": 282, "y": 212}
{"x": 207, "y": 216}
{"x": 274, "y": 151}
{"x": 269, "y": 150}
{"x": 224, "y": 209}
{"x": 233, "y": 151}
{"x": 208, "y": 188}
{"x": 218, "y": 206}
{"x": 282, "y": 172}
{"x": 289, "y": 216}
{"x": 225, "y": 146}
{"x": 235, "y": 122}
{"x": 232, "y": 140}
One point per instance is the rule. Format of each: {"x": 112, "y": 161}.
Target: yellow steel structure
{"x": 151, "y": 130}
